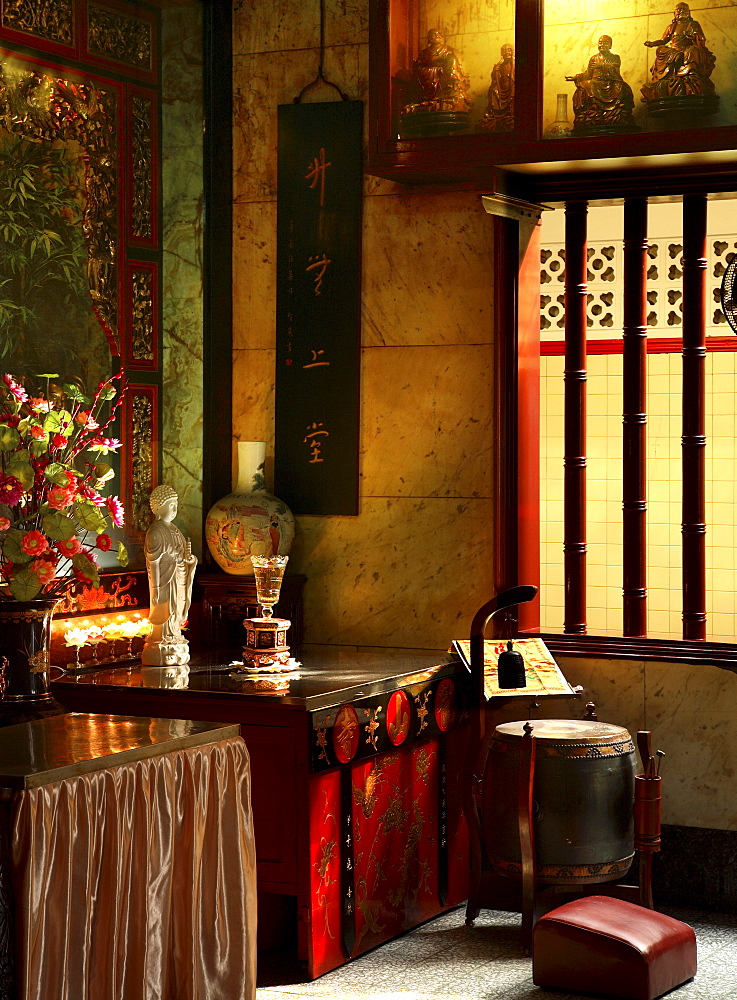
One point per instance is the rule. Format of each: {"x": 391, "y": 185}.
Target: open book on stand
{"x": 542, "y": 673}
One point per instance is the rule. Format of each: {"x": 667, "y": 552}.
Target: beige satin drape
{"x": 138, "y": 882}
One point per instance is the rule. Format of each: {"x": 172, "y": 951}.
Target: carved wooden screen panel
{"x": 82, "y": 77}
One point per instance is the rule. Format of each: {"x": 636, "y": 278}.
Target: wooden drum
{"x": 583, "y": 800}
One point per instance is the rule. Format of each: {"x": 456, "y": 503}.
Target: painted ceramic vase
{"x": 249, "y": 521}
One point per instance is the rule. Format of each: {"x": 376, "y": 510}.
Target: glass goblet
{"x": 269, "y": 571}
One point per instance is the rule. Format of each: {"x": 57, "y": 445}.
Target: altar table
{"x": 356, "y": 767}
{"x": 126, "y": 860}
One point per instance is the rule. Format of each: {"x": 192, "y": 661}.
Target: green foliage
{"x": 42, "y": 253}
{"x": 25, "y": 585}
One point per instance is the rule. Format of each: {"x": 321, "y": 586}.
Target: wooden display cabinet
{"x": 550, "y": 41}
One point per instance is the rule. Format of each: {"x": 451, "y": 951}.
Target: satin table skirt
{"x": 138, "y": 882}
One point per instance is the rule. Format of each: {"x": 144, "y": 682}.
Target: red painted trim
{"x": 528, "y": 420}
{"x": 664, "y": 345}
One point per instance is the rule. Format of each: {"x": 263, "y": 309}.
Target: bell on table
{"x": 511, "y": 668}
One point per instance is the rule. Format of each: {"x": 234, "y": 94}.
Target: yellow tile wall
{"x": 604, "y": 493}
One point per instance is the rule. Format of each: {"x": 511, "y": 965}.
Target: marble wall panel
{"x": 253, "y": 397}
{"x": 458, "y": 19}
{"x": 564, "y": 12}
{"x": 407, "y": 572}
{"x": 426, "y": 425}
{"x": 690, "y": 710}
{"x": 718, "y": 25}
{"x": 293, "y": 24}
{"x": 181, "y": 166}
{"x": 254, "y": 274}
{"x": 262, "y": 82}
{"x": 617, "y": 688}
{"x": 183, "y": 254}
{"x": 427, "y": 270}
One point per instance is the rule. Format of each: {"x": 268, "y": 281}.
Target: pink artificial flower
{"x": 70, "y": 546}
{"x": 117, "y": 511}
{"x": 111, "y": 444}
{"x": 59, "y": 498}
{"x": 11, "y": 490}
{"x": 37, "y": 432}
{"x": 17, "y": 390}
{"x": 34, "y": 543}
{"x": 84, "y": 418}
{"x": 4, "y": 523}
{"x": 44, "y": 570}
{"x": 92, "y": 495}
{"x": 104, "y": 542}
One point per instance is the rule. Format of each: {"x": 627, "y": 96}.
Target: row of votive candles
{"x": 111, "y": 641}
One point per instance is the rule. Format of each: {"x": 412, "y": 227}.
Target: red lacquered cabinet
{"x": 356, "y": 782}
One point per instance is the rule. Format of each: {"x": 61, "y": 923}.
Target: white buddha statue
{"x": 170, "y": 565}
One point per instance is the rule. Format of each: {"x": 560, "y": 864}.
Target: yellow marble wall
{"x": 689, "y": 709}
{"x": 415, "y": 565}
{"x": 573, "y": 27}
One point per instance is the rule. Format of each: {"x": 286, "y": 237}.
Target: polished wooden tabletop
{"x": 325, "y": 676}
{"x": 66, "y": 746}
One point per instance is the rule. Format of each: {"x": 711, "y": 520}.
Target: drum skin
{"x": 583, "y": 800}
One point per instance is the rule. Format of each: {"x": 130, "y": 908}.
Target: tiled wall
{"x": 604, "y": 443}
{"x": 415, "y": 565}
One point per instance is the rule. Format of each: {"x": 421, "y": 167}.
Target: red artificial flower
{"x": 70, "y": 546}
{"x": 39, "y": 404}
{"x": 34, "y": 543}
{"x": 59, "y": 498}
{"x": 44, "y": 570}
{"x": 58, "y": 440}
{"x": 117, "y": 511}
{"x": 37, "y": 432}
{"x": 104, "y": 542}
{"x": 11, "y": 490}
{"x": 4, "y": 523}
{"x": 17, "y": 390}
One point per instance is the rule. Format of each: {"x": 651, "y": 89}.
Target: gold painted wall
{"x": 415, "y": 565}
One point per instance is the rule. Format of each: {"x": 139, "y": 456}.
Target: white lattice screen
{"x": 604, "y": 423}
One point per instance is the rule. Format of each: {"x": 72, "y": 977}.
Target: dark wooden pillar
{"x": 634, "y": 419}
{"x": 694, "y": 437}
{"x": 574, "y": 482}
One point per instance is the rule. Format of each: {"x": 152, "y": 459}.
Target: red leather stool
{"x": 606, "y": 946}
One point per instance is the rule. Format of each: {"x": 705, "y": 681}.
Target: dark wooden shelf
{"x": 523, "y": 164}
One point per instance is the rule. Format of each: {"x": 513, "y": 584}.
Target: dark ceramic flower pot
{"x": 25, "y": 638}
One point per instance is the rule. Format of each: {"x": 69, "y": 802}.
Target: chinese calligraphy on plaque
{"x": 319, "y": 177}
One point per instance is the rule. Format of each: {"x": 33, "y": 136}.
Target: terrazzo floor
{"x": 444, "y": 958}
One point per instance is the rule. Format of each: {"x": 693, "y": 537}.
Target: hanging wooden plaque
{"x": 318, "y": 336}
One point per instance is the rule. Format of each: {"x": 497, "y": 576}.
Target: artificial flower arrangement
{"x": 53, "y": 517}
